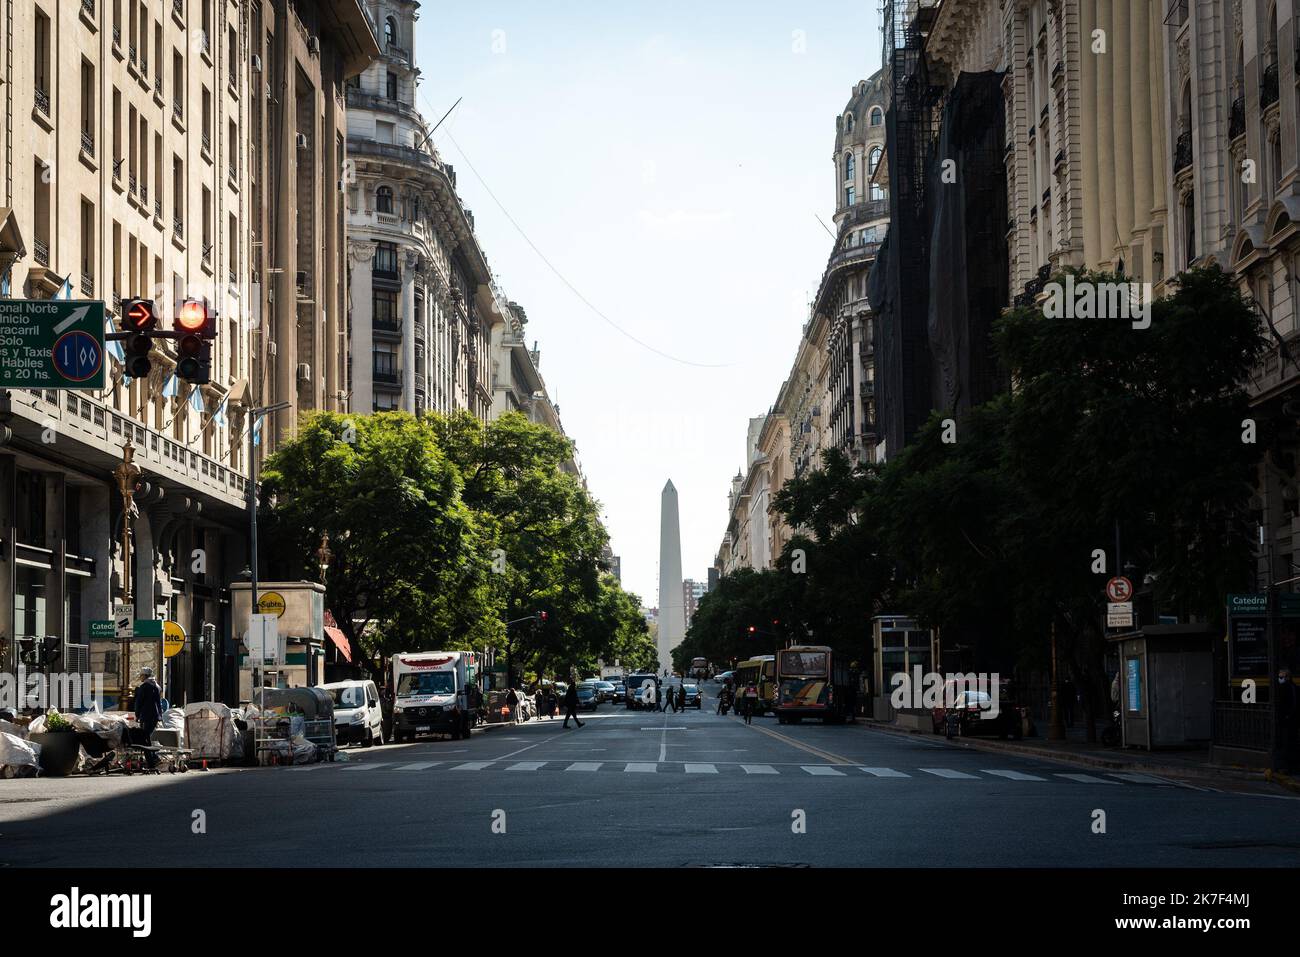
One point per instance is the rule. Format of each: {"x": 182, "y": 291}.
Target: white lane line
{"x": 645, "y": 767}
{"x": 1135, "y": 778}
{"x": 472, "y": 766}
{"x": 824, "y": 770}
{"x": 1085, "y": 778}
{"x": 701, "y": 769}
{"x": 525, "y": 766}
{"x": 1015, "y": 775}
{"x": 310, "y": 767}
{"x": 368, "y": 767}
{"x": 417, "y": 766}
{"x": 585, "y": 766}
{"x": 886, "y": 773}
{"x": 948, "y": 773}
{"x": 759, "y": 769}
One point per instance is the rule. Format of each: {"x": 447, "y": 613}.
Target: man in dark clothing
{"x": 148, "y": 711}
{"x": 571, "y": 704}
{"x": 681, "y": 697}
{"x": 670, "y": 698}
{"x": 1288, "y": 702}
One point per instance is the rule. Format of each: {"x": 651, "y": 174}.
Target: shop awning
{"x": 340, "y": 641}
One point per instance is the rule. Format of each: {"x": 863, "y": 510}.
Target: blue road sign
{"x": 77, "y": 356}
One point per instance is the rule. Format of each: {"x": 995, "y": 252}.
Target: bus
{"x": 760, "y": 671}
{"x": 699, "y": 668}
{"x": 813, "y": 682}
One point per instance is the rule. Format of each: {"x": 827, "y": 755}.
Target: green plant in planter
{"x": 57, "y": 722}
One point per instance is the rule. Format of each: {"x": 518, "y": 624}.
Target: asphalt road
{"x": 650, "y": 789}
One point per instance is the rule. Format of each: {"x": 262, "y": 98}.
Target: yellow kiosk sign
{"x": 271, "y": 603}
{"x": 173, "y": 639}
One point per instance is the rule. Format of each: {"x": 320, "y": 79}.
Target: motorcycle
{"x": 1112, "y": 735}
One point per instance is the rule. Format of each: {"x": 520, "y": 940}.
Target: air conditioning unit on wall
{"x": 304, "y": 372}
{"x": 302, "y": 141}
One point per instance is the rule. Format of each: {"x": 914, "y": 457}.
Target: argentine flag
{"x": 66, "y": 291}
{"x": 114, "y": 347}
{"x": 257, "y": 431}
{"x": 220, "y": 415}
{"x": 4, "y": 285}
{"x": 172, "y": 388}
{"x": 196, "y": 400}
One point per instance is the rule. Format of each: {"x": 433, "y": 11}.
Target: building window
{"x": 850, "y": 167}
{"x": 391, "y": 87}
{"x": 384, "y": 307}
{"x": 384, "y": 199}
{"x": 877, "y": 193}
{"x": 848, "y": 122}
{"x": 850, "y": 196}
{"x": 385, "y": 259}
{"x": 390, "y": 32}
{"x": 88, "y": 107}
{"x": 874, "y": 160}
{"x": 41, "y": 73}
{"x": 877, "y": 116}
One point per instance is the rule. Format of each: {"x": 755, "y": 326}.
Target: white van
{"x": 358, "y": 717}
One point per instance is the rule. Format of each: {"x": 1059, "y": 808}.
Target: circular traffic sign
{"x": 77, "y": 356}
{"x": 1119, "y": 589}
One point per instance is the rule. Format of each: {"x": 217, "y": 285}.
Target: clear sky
{"x": 669, "y": 159}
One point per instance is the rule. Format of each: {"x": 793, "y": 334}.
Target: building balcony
{"x": 407, "y": 155}
{"x": 41, "y": 252}
{"x": 1183, "y": 151}
{"x": 87, "y": 286}
{"x": 386, "y": 327}
{"x": 1237, "y": 118}
{"x": 89, "y": 7}
{"x": 361, "y": 100}
{"x": 1268, "y": 89}
{"x": 178, "y": 227}
{"x": 398, "y": 53}
{"x": 386, "y": 376}
{"x": 178, "y": 8}
{"x": 42, "y": 98}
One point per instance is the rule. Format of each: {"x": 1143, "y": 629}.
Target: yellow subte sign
{"x": 173, "y": 639}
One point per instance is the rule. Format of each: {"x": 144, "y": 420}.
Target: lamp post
{"x": 127, "y": 475}
{"x": 251, "y": 428}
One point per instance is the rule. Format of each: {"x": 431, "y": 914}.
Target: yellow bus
{"x": 760, "y": 671}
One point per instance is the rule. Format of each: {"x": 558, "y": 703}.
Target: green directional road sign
{"x": 51, "y": 344}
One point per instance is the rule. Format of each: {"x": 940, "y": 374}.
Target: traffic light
{"x": 195, "y": 326}
{"x": 752, "y": 630}
{"x": 138, "y": 318}
{"x": 541, "y": 617}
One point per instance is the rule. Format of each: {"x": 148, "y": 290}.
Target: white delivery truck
{"x": 435, "y": 692}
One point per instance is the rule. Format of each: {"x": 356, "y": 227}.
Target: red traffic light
{"x": 542, "y": 616}
{"x": 752, "y": 629}
{"x": 196, "y": 318}
{"x": 138, "y": 315}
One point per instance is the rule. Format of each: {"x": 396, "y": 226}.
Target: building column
{"x": 1160, "y": 113}
{"x": 1105, "y": 135}
{"x": 410, "y": 262}
{"x": 855, "y": 383}
{"x": 1119, "y": 115}
{"x": 1141, "y": 122}
{"x": 1087, "y": 138}
{"x": 361, "y": 336}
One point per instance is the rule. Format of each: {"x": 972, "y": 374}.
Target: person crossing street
{"x": 571, "y": 704}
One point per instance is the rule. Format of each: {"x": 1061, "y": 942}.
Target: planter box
{"x": 59, "y": 751}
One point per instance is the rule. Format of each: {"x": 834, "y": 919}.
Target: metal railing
{"x": 157, "y": 208}
{"x": 1268, "y": 90}
{"x": 88, "y": 286}
{"x": 131, "y": 184}
{"x": 176, "y": 109}
{"x": 178, "y": 7}
{"x": 88, "y": 143}
{"x": 1183, "y": 151}
{"x": 131, "y": 53}
{"x": 41, "y": 252}
{"x": 42, "y": 98}
{"x": 385, "y": 374}
{"x": 206, "y": 142}
{"x": 89, "y": 7}
{"x": 158, "y": 84}
{"x": 1237, "y": 118}
{"x": 144, "y": 193}
{"x": 178, "y": 227}
{"x": 1248, "y": 726}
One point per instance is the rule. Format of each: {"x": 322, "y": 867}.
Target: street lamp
{"x": 323, "y": 555}
{"x": 251, "y": 428}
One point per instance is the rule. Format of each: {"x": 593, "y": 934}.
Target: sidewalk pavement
{"x": 1190, "y": 763}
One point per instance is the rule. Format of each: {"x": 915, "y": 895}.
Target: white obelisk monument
{"x": 672, "y": 609}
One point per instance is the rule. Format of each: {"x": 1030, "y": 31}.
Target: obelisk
{"x": 672, "y": 609}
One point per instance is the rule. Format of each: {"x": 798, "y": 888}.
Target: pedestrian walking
{"x": 681, "y": 698}
{"x": 571, "y": 704}
{"x": 148, "y": 711}
{"x": 751, "y": 699}
{"x": 539, "y": 702}
{"x": 670, "y": 698}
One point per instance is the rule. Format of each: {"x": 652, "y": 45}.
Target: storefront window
{"x": 30, "y": 591}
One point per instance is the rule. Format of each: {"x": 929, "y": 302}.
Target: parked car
{"x": 969, "y": 716}
{"x": 694, "y": 696}
{"x": 588, "y": 696}
{"x": 1007, "y": 697}
{"x": 725, "y": 677}
{"x": 606, "y": 690}
{"x": 620, "y": 691}
{"x": 358, "y": 716}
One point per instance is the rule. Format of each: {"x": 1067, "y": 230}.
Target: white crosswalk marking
{"x": 886, "y": 773}
{"x": 525, "y": 766}
{"x": 471, "y": 766}
{"x": 1085, "y": 779}
{"x": 585, "y": 766}
{"x": 646, "y": 767}
{"x": 759, "y": 769}
{"x": 417, "y": 766}
{"x": 1015, "y": 775}
{"x": 948, "y": 773}
{"x": 825, "y": 770}
{"x": 701, "y": 769}
{"x": 368, "y": 767}
{"x": 1135, "y": 778}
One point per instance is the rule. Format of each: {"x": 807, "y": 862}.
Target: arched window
{"x": 877, "y": 116}
{"x": 877, "y": 193}
{"x": 384, "y": 199}
{"x": 850, "y": 167}
{"x": 848, "y": 122}
{"x": 874, "y": 160}
{"x": 390, "y": 32}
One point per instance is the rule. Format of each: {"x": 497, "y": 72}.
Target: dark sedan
{"x": 972, "y": 714}
{"x": 694, "y": 696}
{"x": 588, "y": 696}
